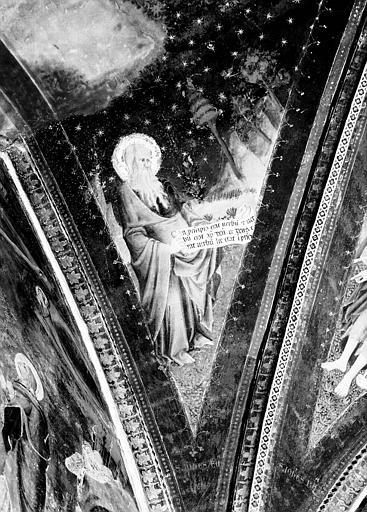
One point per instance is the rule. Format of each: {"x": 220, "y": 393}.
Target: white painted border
{"x": 126, "y": 452}
{"x": 262, "y": 465}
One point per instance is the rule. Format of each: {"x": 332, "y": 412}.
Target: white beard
{"x": 149, "y": 189}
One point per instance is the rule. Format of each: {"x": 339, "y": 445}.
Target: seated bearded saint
{"x": 177, "y": 287}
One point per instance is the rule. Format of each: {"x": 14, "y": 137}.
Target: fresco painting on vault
{"x": 206, "y": 100}
{"x": 51, "y": 408}
{"x": 170, "y": 137}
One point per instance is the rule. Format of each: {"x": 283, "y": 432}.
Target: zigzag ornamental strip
{"x": 269, "y": 359}
{"x": 275, "y": 398}
{"x": 346, "y": 489}
{"x": 155, "y": 487}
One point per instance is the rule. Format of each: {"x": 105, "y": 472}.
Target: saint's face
{"x": 143, "y": 159}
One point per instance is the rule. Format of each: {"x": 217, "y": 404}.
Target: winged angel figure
{"x": 177, "y": 288}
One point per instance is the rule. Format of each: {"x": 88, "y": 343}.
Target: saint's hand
{"x": 177, "y": 244}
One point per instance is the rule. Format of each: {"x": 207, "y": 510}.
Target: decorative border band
{"x": 152, "y": 477}
{"x": 268, "y": 428}
{"x": 346, "y": 489}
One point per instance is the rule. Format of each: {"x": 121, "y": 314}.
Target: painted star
{"x": 178, "y": 85}
{"x": 152, "y": 101}
{"x": 261, "y": 36}
{"x": 248, "y": 10}
{"x": 219, "y": 26}
{"x": 171, "y": 37}
{"x": 178, "y": 15}
{"x": 126, "y": 116}
{"x": 284, "y": 42}
{"x": 191, "y": 42}
{"x": 147, "y": 122}
{"x": 240, "y": 32}
{"x": 199, "y": 21}
{"x": 222, "y": 96}
{"x": 78, "y": 128}
{"x": 269, "y": 16}
{"x": 168, "y": 127}
{"x": 234, "y": 54}
{"x": 184, "y": 63}
{"x": 174, "y": 107}
{"x": 290, "y": 21}
{"x": 206, "y": 70}
{"x": 100, "y": 132}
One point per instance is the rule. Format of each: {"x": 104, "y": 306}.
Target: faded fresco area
{"x": 51, "y": 410}
{"x": 82, "y": 53}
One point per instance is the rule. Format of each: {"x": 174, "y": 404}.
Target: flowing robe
{"x": 177, "y": 291}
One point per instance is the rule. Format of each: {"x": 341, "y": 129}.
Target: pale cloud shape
{"x": 102, "y": 44}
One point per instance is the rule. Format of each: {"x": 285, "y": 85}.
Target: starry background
{"x": 211, "y": 43}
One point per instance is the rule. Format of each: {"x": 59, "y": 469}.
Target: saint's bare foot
{"x": 201, "y": 341}
{"x": 361, "y": 381}
{"x": 338, "y": 364}
{"x": 342, "y": 389}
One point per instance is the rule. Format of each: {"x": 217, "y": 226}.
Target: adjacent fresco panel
{"x": 58, "y": 451}
{"x": 314, "y": 430}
